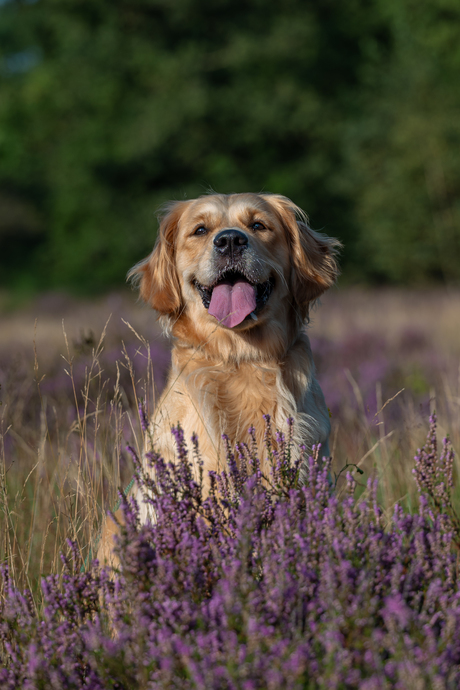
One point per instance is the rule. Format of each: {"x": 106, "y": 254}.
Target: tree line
{"x": 108, "y": 108}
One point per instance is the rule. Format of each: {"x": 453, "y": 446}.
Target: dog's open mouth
{"x": 233, "y": 298}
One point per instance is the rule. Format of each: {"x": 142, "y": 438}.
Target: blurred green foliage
{"x": 108, "y": 108}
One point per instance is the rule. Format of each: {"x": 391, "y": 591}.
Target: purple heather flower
{"x": 143, "y": 417}
{"x": 260, "y": 584}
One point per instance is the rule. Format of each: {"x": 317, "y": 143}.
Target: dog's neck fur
{"x": 265, "y": 380}
{"x": 266, "y": 342}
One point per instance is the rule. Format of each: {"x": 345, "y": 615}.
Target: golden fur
{"x": 224, "y": 379}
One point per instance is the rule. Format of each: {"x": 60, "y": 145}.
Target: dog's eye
{"x": 201, "y": 231}
{"x": 258, "y": 225}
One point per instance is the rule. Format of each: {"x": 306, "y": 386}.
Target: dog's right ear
{"x": 156, "y": 275}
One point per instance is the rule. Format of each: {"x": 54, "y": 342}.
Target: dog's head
{"x": 238, "y": 262}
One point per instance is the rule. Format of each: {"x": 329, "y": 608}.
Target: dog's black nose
{"x": 230, "y": 241}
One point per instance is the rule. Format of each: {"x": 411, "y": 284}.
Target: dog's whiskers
{"x": 275, "y": 268}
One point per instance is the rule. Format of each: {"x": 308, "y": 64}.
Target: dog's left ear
{"x": 314, "y": 265}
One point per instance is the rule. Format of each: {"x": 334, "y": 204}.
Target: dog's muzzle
{"x": 236, "y": 294}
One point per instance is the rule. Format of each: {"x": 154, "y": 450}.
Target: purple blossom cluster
{"x": 260, "y": 582}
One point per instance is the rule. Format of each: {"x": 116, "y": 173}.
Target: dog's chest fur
{"x": 212, "y": 397}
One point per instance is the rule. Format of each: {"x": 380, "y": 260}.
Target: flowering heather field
{"x": 267, "y": 584}
{"x": 264, "y": 584}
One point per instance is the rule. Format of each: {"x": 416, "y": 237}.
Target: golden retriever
{"x": 233, "y": 278}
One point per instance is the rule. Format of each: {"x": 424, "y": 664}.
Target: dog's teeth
{"x": 253, "y": 316}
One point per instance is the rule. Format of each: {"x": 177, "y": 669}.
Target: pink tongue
{"x": 230, "y": 304}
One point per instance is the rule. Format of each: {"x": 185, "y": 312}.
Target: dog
{"x": 232, "y": 278}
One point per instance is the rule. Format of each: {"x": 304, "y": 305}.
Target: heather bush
{"x": 265, "y": 583}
